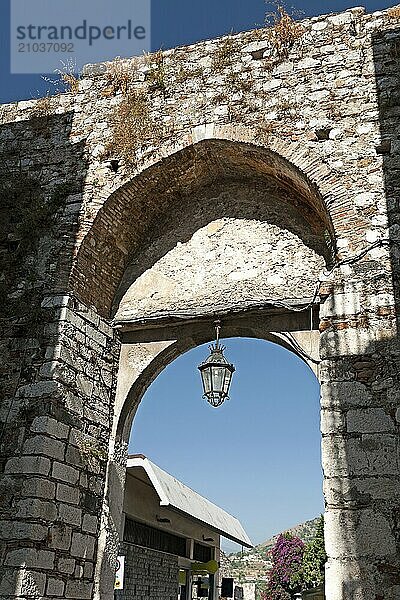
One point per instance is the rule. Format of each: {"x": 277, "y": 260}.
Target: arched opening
{"x": 273, "y": 409}
{"x": 270, "y": 405}
{"x": 210, "y": 184}
{"x": 145, "y": 354}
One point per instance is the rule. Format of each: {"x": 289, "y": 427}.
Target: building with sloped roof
{"x": 170, "y": 537}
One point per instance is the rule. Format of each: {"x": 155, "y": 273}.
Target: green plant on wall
{"x": 66, "y": 81}
{"x": 135, "y": 132}
{"x": 119, "y": 78}
{"x": 225, "y": 54}
{"x": 184, "y": 73}
{"x": 91, "y": 453}
{"x": 157, "y": 74}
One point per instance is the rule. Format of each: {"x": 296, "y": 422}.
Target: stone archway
{"x": 145, "y": 353}
{"x": 233, "y": 231}
{"x": 157, "y": 191}
{"x": 189, "y": 201}
{"x": 329, "y": 147}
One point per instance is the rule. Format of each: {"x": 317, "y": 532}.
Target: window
{"x": 150, "y": 537}
{"x": 202, "y": 553}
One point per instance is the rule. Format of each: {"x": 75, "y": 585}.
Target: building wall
{"x": 149, "y": 575}
{"x": 249, "y": 590}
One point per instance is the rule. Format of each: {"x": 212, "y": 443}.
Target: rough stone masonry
{"x": 247, "y": 177}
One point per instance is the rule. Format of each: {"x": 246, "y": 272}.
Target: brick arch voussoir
{"x": 334, "y": 194}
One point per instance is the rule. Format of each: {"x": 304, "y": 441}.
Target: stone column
{"x": 360, "y": 442}
{"x": 58, "y": 431}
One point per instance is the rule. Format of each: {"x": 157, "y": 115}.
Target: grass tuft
{"x": 133, "y": 128}
{"x": 282, "y": 32}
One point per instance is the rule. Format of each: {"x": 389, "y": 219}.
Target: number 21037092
{"x": 46, "y": 47}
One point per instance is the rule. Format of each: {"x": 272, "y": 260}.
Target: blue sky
{"x": 257, "y": 456}
{"x": 174, "y": 22}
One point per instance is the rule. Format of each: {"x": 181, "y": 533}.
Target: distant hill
{"x": 254, "y": 564}
{"x": 305, "y": 531}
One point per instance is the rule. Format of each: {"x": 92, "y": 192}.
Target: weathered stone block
{"x": 51, "y": 427}
{"x": 85, "y": 385}
{"x": 55, "y": 301}
{"x": 356, "y": 582}
{"x": 358, "y": 533}
{"x": 88, "y": 569}
{"x": 28, "y": 464}
{"x": 95, "y": 335}
{"x": 82, "y": 545}
{"x": 369, "y": 420}
{"x": 345, "y": 394}
{"x": 28, "y": 583}
{"x": 70, "y": 514}
{"x": 90, "y": 523}
{"x": 332, "y": 421}
{"x": 39, "y": 487}
{"x": 60, "y": 536}
{"x": 50, "y": 447}
{"x": 71, "y": 317}
{"x": 30, "y": 558}
{"x": 18, "y": 530}
{"x": 341, "y": 304}
{"x": 55, "y": 587}
{"x": 347, "y": 342}
{"x": 66, "y": 565}
{"x": 361, "y": 491}
{"x": 67, "y": 493}
{"x": 65, "y": 473}
{"x": 78, "y": 589}
{"x": 40, "y": 389}
{"x": 33, "y": 508}
{"x": 355, "y": 457}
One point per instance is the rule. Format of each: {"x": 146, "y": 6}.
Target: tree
{"x": 312, "y": 573}
{"x": 296, "y": 566}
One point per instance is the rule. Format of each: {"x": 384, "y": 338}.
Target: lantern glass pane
{"x": 227, "y": 382}
{"x": 206, "y": 377}
{"x": 218, "y": 374}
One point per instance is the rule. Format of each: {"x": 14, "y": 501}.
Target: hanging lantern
{"x": 216, "y": 373}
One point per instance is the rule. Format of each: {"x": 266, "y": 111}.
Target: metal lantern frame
{"x": 216, "y": 373}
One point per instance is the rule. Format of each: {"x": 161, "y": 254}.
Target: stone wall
{"x": 149, "y": 575}
{"x": 53, "y": 483}
{"x": 318, "y": 108}
{"x": 222, "y": 122}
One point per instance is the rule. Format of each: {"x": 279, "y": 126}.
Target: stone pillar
{"x": 360, "y": 443}
{"x": 58, "y": 431}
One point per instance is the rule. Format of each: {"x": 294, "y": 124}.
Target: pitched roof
{"x": 180, "y": 497}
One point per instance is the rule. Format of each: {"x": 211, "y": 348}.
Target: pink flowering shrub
{"x": 287, "y": 556}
